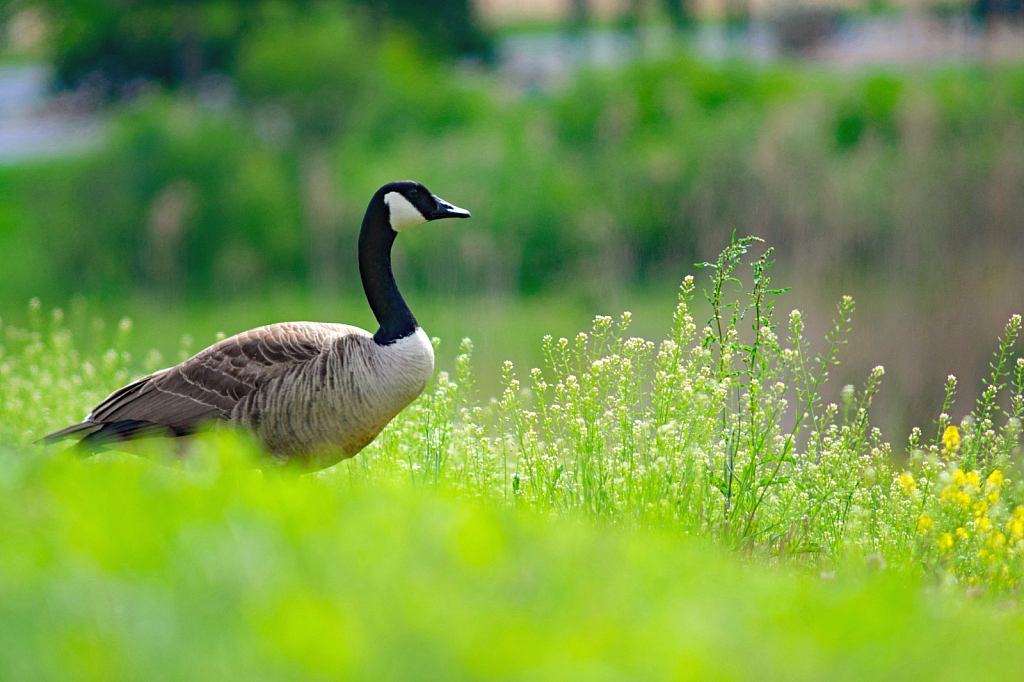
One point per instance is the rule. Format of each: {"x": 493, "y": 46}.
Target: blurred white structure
{"x": 504, "y": 12}
{"x": 34, "y": 126}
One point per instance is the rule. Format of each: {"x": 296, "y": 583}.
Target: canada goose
{"x": 314, "y": 393}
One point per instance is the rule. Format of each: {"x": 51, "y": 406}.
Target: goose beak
{"x": 446, "y": 210}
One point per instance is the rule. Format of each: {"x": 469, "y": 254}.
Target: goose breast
{"x": 341, "y": 398}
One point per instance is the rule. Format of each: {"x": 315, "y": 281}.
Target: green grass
{"x": 693, "y": 508}
{"x": 114, "y": 569}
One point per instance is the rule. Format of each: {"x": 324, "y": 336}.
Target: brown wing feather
{"x": 209, "y": 385}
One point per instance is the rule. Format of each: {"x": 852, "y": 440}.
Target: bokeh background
{"x": 202, "y": 166}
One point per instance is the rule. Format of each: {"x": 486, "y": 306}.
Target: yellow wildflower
{"x": 908, "y": 482}
{"x": 924, "y": 523}
{"x": 984, "y": 524}
{"x": 973, "y": 478}
{"x": 958, "y": 477}
{"x": 1018, "y": 513}
{"x": 945, "y": 543}
{"x": 980, "y": 508}
{"x": 1016, "y": 528}
{"x": 951, "y": 438}
{"x": 963, "y": 499}
{"x": 961, "y": 533}
{"x": 992, "y": 485}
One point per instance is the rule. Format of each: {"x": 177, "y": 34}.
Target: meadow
{"x": 705, "y": 505}
{"x": 723, "y": 483}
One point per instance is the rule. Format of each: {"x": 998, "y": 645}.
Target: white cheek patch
{"x": 403, "y": 213}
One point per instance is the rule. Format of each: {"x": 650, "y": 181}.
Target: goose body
{"x": 313, "y": 393}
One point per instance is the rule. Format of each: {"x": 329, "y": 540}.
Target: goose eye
{"x": 414, "y": 193}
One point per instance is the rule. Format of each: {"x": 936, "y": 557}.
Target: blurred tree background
{"x": 243, "y": 139}
{"x": 176, "y": 42}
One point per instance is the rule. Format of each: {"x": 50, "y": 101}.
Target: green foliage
{"x": 175, "y": 42}
{"x": 445, "y": 27}
{"x": 617, "y": 180}
{"x": 316, "y": 65}
{"x": 722, "y": 432}
{"x": 690, "y": 434}
{"x": 964, "y": 100}
{"x": 873, "y": 110}
{"x": 117, "y": 570}
{"x": 102, "y": 225}
{"x": 43, "y": 375}
{"x": 206, "y": 569}
{"x": 169, "y": 42}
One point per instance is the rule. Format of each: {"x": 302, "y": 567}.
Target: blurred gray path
{"x": 32, "y": 125}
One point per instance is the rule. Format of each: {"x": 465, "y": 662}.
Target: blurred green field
{"x": 117, "y": 569}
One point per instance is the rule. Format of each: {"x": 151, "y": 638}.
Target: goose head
{"x": 395, "y": 207}
{"x": 410, "y": 203}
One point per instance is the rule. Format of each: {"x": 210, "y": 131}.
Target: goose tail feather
{"x": 84, "y": 429}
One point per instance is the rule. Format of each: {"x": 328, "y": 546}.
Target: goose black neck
{"x": 375, "y": 240}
